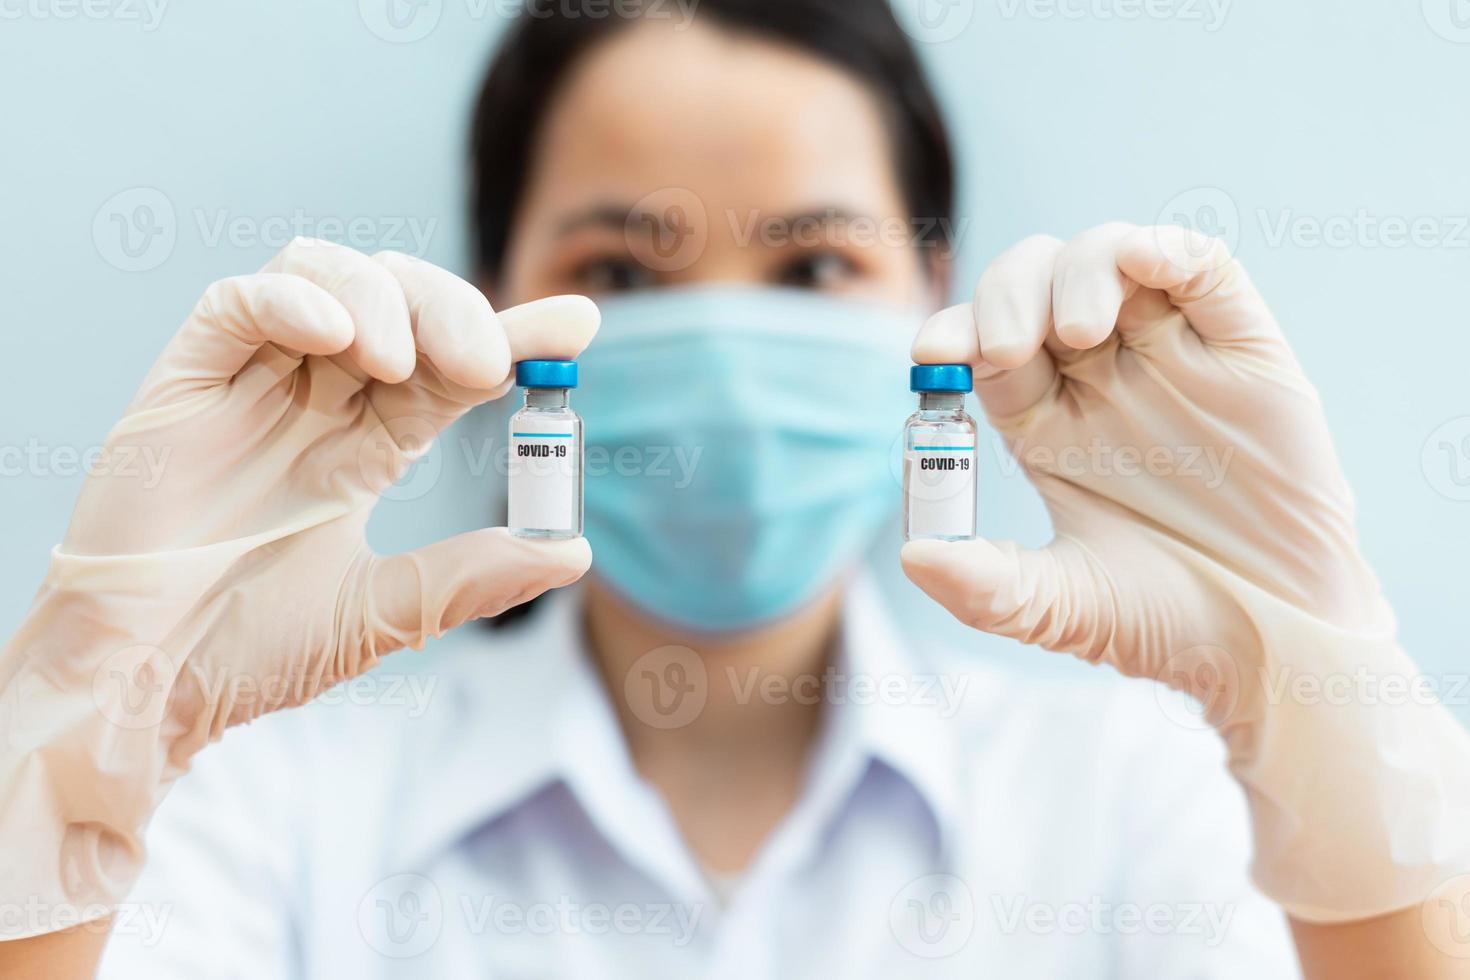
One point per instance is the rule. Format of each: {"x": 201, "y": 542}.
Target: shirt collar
{"x": 901, "y": 707}
{"x": 498, "y": 742}
{"x": 525, "y": 718}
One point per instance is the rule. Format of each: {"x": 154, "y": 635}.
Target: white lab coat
{"x": 473, "y": 812}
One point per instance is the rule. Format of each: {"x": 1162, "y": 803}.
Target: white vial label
{"x": 544, "y": 474}
{"x": 940, "y": 480}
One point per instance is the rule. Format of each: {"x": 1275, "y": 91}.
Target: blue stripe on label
{"x": 944, "y": 449}
{"x": 541, "y": 435}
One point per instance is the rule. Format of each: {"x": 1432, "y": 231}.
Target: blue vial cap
{"x": 546, "y": 374}
{"x": 941, "y": 377}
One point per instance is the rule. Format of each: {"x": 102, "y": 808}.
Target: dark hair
{"x": 861, "y": 36}
{"x": 541, "y": 47}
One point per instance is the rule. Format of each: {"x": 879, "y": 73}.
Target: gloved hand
{"x": 241, "y": 583}
{"x": 1205, "y": 537}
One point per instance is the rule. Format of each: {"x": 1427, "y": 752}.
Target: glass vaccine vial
{"x": 940, "y": 463}
{"x": 545, "y": 498}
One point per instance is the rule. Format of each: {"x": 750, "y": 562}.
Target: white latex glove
{"x": 242, "y": 583}
{"x": 1114, "y": 365}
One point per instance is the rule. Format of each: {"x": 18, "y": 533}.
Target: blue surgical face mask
{"x": 738, "y": 443}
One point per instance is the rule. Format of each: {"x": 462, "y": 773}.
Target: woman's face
{"x": 693, "y": 156}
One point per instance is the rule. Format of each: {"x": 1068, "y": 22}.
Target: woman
{"x": 716, "y": 757}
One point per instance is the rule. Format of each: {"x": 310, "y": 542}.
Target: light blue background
{"x": 1068, "y": 112}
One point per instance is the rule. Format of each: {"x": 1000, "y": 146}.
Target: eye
{"x": 818, "y": 270}
{"x": 613, "y": 274}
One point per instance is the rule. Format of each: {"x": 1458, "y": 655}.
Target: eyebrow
{"x": 624, "y": 217}
{"x": 826, "y": 216}
{"x": 600, "y": 216}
